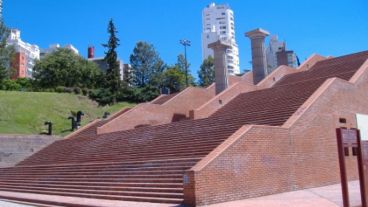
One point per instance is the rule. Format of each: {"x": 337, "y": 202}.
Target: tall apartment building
{"x": 1, "y": 9}
{"x": 26, "y": 54}
{"x": 277, "y": 55}
{"x": 54, "y": 47}
{"x": 218, "y": 23}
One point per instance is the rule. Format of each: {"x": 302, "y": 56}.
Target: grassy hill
{"x": 26, "y": 112}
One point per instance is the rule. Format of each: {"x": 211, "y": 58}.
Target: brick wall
{"x": 252, "y": 162}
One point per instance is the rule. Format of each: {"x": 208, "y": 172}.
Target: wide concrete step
{"x": 122, "y": 180}
{"x": 62, "y": 160}
{"x": 98, "y": 192}
{"x": 112, "y": 188}
{"x": 95, "y": 196}
{"x": 99, "y": 172}
{"x": 122, "y": 170}
{"x": 119, "y": 163}
{"x": 90, "y": 183}
{"x": 96, "y": 176}
{"x": 147, "y": 165}
{"x": 135, "y": 154}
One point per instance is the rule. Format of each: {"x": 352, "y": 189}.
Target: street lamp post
{"x": 185, "y": 43}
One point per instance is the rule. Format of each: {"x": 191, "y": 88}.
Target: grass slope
{"x": 26, "y": 112}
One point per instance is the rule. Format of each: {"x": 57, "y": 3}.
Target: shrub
{"x": 68, "y": 90}
{"x": 25, "y": 83}
{"x": 10, "y": 85}
{"x": 60, "y": 89}
{"x": 50, "y": 90}
{"x": 85, "y": 91}
{"x": 102, "y": 96}
{"x": 77, "y": 90}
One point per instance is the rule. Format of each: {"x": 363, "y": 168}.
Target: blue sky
{"x": 326, "y": 27}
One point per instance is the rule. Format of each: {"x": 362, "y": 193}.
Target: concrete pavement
{"x": 327, "y": 196}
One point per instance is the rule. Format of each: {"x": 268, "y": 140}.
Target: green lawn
{"x": 26, "y": 112}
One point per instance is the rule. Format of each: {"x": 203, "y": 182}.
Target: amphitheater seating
{"x": 147, "y": 164}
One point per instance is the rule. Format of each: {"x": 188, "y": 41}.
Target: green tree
{"x": 113, "y": 81}
{"x": 174, "y": 79}
{"x": 207, "y": 72}
{"x": 147, "y": 66}
{"x": 6, "y": 52}
{"x": 180, "y": 62}
{"x": 65, "y": 68}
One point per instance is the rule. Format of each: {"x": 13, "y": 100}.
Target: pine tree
{"x": 207, "y": 72}
{"x": 113, "y": 81}
{"x": 180, "y": 63}
{"x": 6, "y": 52}
{"x": 147, "y": 65}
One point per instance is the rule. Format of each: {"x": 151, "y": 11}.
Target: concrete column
{"x": 219, "y": 49}
{"x": 259, "y": 62}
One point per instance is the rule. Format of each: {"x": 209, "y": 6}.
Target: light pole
{"x": 185, "y": 43}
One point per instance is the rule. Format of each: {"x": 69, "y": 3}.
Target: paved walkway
{"x": 328, "y": 196}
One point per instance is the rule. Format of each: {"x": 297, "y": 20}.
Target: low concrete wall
{"x": 15, "y": 148}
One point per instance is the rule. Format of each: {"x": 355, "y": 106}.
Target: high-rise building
{"x": 218, "y": 24}
{"x": 274, "y": 46}
{"x": 1, "y": 9}
{"x": 54, "y": 47}
{"x": 277, "y": 55}
{"x": 26, "y": 52}
{"x": 19, "y": 63}
{"x": 287, "y": 57}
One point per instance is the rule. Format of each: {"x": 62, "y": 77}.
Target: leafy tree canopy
{"x": 6, "y": 53}
{"x": 65, "y": 68}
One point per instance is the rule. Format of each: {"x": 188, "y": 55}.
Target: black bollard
{"x": 79, "y": 117}
{"x": 106, "y": 114}
{"x": 73, "y": 122}
{"x": 49, "y": 127}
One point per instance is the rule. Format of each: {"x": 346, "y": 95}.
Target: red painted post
{"x": 361, "y": 171}
{"x": 344, "y": 180}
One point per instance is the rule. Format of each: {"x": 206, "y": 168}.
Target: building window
{"x": 223, "y": 13}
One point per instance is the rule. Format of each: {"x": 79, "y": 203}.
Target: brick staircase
{"x": 147, "y": 164}
{"x": 154, "y": 181}
{"x": 91, "y": 130}
{"x": 164, "y": 98}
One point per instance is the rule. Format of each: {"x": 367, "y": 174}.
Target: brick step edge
{"x": 83, "y": 196}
